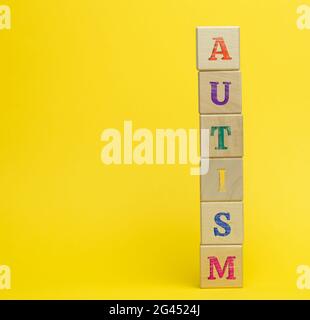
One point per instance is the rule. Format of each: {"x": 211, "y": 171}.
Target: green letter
{"x": 221, "y": 133}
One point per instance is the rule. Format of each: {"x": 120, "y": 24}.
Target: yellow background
{"x": 72, "y": 227}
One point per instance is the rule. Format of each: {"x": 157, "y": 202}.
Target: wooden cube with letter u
{"x": 220, "y": 266}
{"x": 220, "y": 92}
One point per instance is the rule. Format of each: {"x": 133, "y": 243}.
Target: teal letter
{"x": 221, "y": 134}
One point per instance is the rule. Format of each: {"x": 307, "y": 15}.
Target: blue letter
{"x": 222, "y": 224}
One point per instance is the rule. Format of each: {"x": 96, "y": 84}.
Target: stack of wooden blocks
{"x": 221, "y": 188}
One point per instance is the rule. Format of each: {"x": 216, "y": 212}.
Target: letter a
{"x": 220, "y": 42}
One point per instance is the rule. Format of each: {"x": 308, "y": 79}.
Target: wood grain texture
{"x": 232, "y": 274}
{"x": 210, "y": 189}
{"x": 232, "y": 139}
{"x": 207, "y": 81}
{"x": 205, "y": 37}
{"x": 231, "y": 213}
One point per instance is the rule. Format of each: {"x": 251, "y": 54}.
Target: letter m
{"x": 229, "y": 266}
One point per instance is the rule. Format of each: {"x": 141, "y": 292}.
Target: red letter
{"x": 220, "y": 42}
{"x": 215, "y": 263}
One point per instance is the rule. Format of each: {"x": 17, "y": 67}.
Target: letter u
{"x": 214, "y": 95}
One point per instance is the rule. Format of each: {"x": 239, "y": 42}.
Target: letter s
{"x": 222, "y": 224}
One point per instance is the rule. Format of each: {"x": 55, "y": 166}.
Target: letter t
{"x": 221, "y": 134}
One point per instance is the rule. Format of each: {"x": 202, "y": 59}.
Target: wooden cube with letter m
{"x": 220, "y": 266}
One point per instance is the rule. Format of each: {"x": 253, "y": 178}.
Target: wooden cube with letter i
{"x": 221, "y": 188}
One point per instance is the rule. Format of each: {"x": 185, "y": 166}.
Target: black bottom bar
{"x": 152, "y": 309}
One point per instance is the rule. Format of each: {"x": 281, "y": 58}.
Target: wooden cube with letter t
{"x": 226, "y": 135}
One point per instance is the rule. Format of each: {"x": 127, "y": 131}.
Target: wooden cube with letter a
{"x": 221, "y": 222}
{"x": 218, "y": 48}
{"x": 220, "y": 266}
{"x": 226, "y": 135}
{"x": 219, "y": 92}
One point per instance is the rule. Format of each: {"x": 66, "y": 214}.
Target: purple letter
{"x": 214, "y": 93}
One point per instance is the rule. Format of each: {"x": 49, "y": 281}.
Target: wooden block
{"x": 219, "y": 92}
{"x": 218, "y": 48}
{"x": 223, "y": 181}
{"x": 220, "y": 266}
{"x": 226, "y": 135}
{"x": 221, "y": 222}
